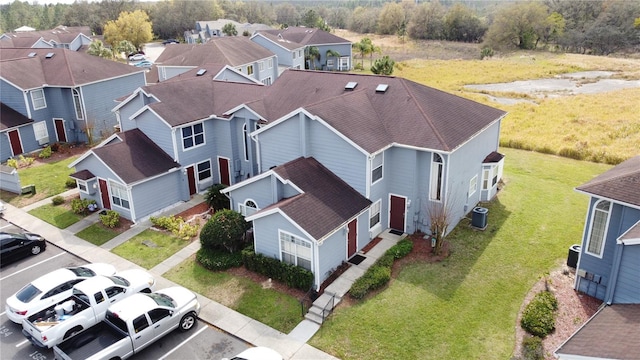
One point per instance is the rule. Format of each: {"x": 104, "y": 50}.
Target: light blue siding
{"x": 265, "y": 231}
{"x": 128, "y": 109}
{"x": 13, "y": 97}
{"x": 627, "y": 289}
{"x": 332, "y": 253}
{"x": 260, "y": 191}
{"x": 158, "y": 131}
{"x": 145, "y": 195}
{"x": 167, "y": 72}
{"x": 281, "y": 145}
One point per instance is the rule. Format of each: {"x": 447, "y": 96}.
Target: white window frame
{"x": 270, "y": 63}
{"x": 296, "y": 246}
{"x": 377, "y": 162}
{"x": 344, "y": 63}
{"x": 600, "y": 234}
{"x": 436, "y": 185}
{"x": 295, "y": 54}
{"x": 82, "y": 186}
{"x": 119, "y": 195}
{"x": 37, "y": 99}
{"x": 261, "y": 65}
{"x": 329, "y": 63}
{"x": 374, "y": 210}
{"x": 300, "y": 53}
{"x": 250, "y": 70}
{"x": 199, "y": 172}
{"x": 193, "y": 136}
{"x": 40, "y": 130}
{"x": 267, "y": 81}
{"x": 249, "y": 207}
{"x": 77, "y": 104}
{"x": 473, "y": 185}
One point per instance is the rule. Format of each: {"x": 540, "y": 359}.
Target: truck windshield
{"x": 82, "y": 271}
{"x": 162, "y": 299}
{"x": 115, "y": 320}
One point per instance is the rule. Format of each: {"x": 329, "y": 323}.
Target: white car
{"x": 51, "y": 288}
{"x": 137, "y": 57}
{"x": 258, "y": 353}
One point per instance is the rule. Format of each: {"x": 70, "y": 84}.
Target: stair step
{"x": 313, "y": 317}
{"x": 317, "y": 310}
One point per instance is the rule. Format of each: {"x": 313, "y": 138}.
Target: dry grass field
{"x": 601, "y": 127}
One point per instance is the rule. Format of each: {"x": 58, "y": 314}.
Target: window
{"x": 490, "y": 172}
{"x": 267, "y": 81}
{"x": 158, "y": 314}
{"x": 140, "y": 323}
{"x": 204, "y": 170}
{"x": 598, "y": 229}
{"x": 473, "y": 185}
{"x": 248, "y": 208}
{"x": 37, "y": 99}
{"x": 344, "y": 63}
{"x": 82, "y": 186}
{"x": 299, "y": 53}
{"x": 295, "y": 54}
{"x": 270, "y": 63}
{"x": 376, "y": 167}
{"x": 192, "y": 136}
{"x": 250, "y": 70}
{"x": 261, "y": 65}
{"x": 119, "y": 195}
{"x": 77, "y": 104}
{"x": 437, "y": 168}
{"x": 374, "y": 214}
{"x": 330, "y": 63}
{"x": 99, "y": 297}
{"x": 295, "y": 250}
{"x": 41, "y": 133}
{"x": 245, "y": 137}
{"x": 113, "y": 291}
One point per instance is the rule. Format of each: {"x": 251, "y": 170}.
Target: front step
{"x": 322, "y": 302}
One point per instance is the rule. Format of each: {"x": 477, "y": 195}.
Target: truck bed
{"x": 90, "y": 342}
{"x": 47, "y": 318}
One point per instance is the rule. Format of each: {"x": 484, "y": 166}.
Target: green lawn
{"x": 280, "y": 311}
{"x": 57, "y": 216}
{"x": 466, "y": 306}
{"x": 97, "y": 234}
{"x": 146, "y": 256}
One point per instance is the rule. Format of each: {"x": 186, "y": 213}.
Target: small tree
{"x": 439, "y": 214}
{"x": 229, "y": 29}
{"x": 383, "y": 66}
{"x": 224, "y": 231}
{"x": 313, "y": 55}
{"x": 97, "y": 48}
{"x": 215, "y": 199}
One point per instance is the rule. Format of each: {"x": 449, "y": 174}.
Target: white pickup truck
{"x": 86, "y": 307}
{"x": 133, "y": 324}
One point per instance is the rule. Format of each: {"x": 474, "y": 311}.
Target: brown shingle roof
{"x": 612, "y": 333}
{"x": 83, "y": 175}
{"x": 287, "y": 44}
{"x": 406, "y": 113}
{"x": 231, "y": 50}
{"x": 10, "y": 118}
{"x": 65, "y": 68}
{"x": 621, "y": 183}
{"x": 633, "y": 233}
{"x": 307, "y": 36}
{"x": 135, "y": 158}
{"x": 327, "y": 202}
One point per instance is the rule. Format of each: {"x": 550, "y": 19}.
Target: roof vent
{"x": 32, "y": 54}
{"x": 382, "y": 88}
{"x": 201, "y": 72}
{"x": 351, "y": 85}
{"x": 50, "y": 55}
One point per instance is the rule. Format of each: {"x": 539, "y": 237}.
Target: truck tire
{"x": 187, "y": 322}
{"x": 72, "y": 332}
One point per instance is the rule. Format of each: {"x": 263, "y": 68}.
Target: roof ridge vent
{"x": 351, "y": 85}
{"x": 382, "y": 88}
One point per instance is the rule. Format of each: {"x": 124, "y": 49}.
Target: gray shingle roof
{"x": 65, "y": 68}
{"x": 231, "y": 50}
{"x": 287, "y": 44}
{"x": 10, "y": 118}
{"x": 60, "y": 35}
{"x": 135, "y": 158}
{"x": 307, "y": 36}
{"x": 621, "y": 183}
{"x": 327, "y": 202}
{"x": 612, "y": 333}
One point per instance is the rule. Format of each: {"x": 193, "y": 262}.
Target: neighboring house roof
{"x": 327, "y": 202}
{"x": 210, "y": 97}
{"x": 211, "y": 70}
{"x": 10, "y": 118}
{"x": 405, "y": 113}
{"x": 307, "y": 36}
{"x": 134, "y": 158}
{"x": 83, "y": 175}
{"x": 231, "y": 50}
{"x": 494, "y": 157}
{"x": 279, "y": 40}
{"x": 58, "y": 35}
{"x": 632, "y": 235}
{"x": 610, "y": 334}
{"x": 64, "y": 68}
{"x": 240, "y": 27}
{"x": 621, "y": 183}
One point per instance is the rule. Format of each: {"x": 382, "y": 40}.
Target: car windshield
{"x": 28, "y": 293}
{"x": 162, "y": 299}
{"x": 81, "y": 271}
{"x": 119, "y": 280}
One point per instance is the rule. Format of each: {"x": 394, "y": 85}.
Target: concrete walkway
{"x": 291, "y": 346}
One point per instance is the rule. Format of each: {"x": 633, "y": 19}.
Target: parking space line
{"x": 184, "y": 342}
{"x": 29, "y": 267}
{"x": 22, "y": 343}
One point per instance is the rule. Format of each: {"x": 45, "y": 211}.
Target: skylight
{"x": 201, "y": 72}
{"x": 382, "y": 88}
{"x": 50, "y": 55}
{"x": 351, "y": 85}
{"x": 32, "y": 54}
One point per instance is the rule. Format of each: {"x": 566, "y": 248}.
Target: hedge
{"x": 218, "y": 260}
{"x": 291, "y": 275}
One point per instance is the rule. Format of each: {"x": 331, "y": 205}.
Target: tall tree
{"x": 133, "y": 26}
{"x": 427, "y": 22}
{"x": 520, "y": 25}
{"x": 461, "y": 24}
{"x": 391, "y": 18}
{"x": 364, "y": 19}
{"x": 229, "y": 29}
{"x": 312, "y": 56}
{"x": 287, "y": 14}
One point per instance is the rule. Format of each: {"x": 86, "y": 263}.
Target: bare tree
{"x": 440, "y": 215}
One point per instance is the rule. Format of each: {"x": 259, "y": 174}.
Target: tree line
{"x": 584, "y": 26}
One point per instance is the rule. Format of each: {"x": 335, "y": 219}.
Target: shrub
{"x": 486, "y": 52}
{"x": 45, "y": 153}
{"x": 218, "y": 260}
{"x": 13, "y": 163}
{"x": 532, "y": 348}
{"x": 401, "y": 249}
{"x": 291, "y": 275}
{"x": 110, "y": 219}
{"x": 358, "y": 66}
{"x": 55, "y": 147}
{"x": 215, "y": 199}
{"x": 70, "y": 183}
{"x": 225, "y": 231}
{"x": 538, "y": 317}
{"x": 57, "y": 200}
{"x": 26, "y": 160}
{"x": 79, "y": 206}
{"x": 176, "y": 225}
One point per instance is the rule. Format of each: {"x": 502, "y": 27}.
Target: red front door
{"x": 191, "y": 178}
{"x": 352, "y": 237}
{"x": 62, "y": 136}
{"x": 223, "y": 167}
{"x": 396, "y": 213}
{"x": 14, "y": 139}
{"x": 104, "y": 194}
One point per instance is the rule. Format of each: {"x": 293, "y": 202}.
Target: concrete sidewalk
{"x": 292, "y": 346}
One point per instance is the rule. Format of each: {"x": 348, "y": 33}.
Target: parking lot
{"x": 202, "y": 342}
